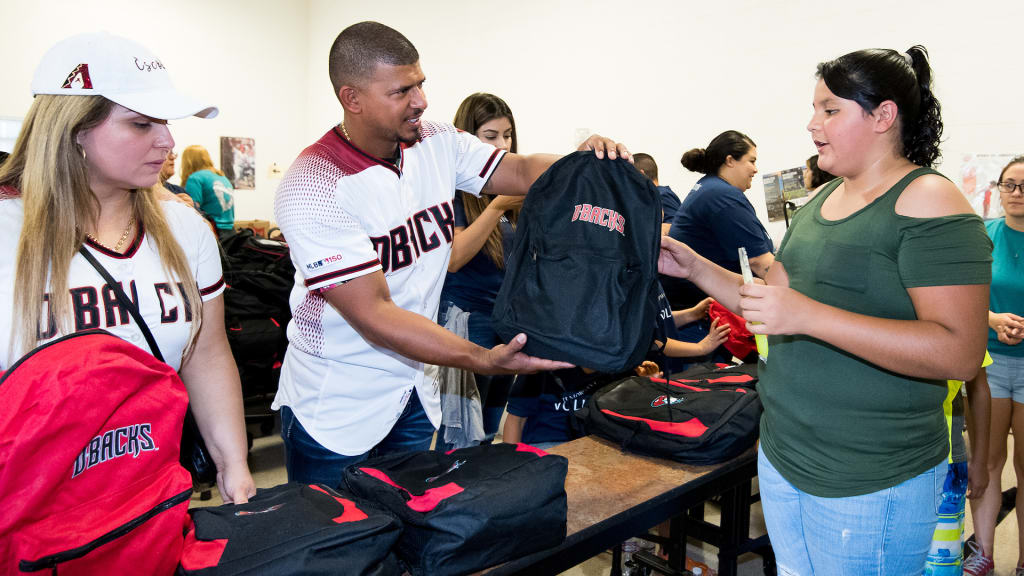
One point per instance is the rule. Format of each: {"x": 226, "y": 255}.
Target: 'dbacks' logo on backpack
{"x": 585, "y": 291}
{"x": 131, "y": 440}
{"x": 600, "y": 216}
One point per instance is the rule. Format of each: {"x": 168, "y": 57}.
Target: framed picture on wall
{"x": 238, "y": 161}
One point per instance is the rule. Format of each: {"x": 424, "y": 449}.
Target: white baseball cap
{"x": 101, "y": 64}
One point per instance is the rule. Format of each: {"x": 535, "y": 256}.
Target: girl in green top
{"x": 879, "y": 294}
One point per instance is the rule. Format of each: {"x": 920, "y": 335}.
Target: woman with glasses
{"x": 862, "y": 333}
{"x": 1006, "y": 374}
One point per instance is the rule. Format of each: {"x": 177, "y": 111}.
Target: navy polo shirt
{"x": 715, "y": 219}
{"x": 668, "y": 326}
{"x": 669, "y": 204}
{"x": 475, "y": 286}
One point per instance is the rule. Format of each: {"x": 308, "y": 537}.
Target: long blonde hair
{"x": 475, "y": 111}
{"x": 194, "y": 159}
{"x": 51, "y": 174}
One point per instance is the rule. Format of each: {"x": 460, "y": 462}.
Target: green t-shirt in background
{"x": 215, "y": 196}
{"x": 834, "y": 424}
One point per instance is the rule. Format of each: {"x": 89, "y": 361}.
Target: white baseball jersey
{"x": 346, "y": 214}
{"x": 140, "y": 273}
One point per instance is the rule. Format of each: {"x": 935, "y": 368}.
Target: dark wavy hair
{"x": 818, "y": 176}
{"x": 709, "y": 160}
{"x": 870, "y": 77}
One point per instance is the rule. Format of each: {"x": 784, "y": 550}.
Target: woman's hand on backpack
{"x": 235, "y": 483}
{"x": 508, "y": 359}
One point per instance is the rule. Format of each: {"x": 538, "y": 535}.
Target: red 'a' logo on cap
{"x": 79, "y": 78}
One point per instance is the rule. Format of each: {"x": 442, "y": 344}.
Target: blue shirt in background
{"x": 1007, "y": 291}
{"x": 474, "y": 287}
{"x": 668, "y": 365}
{"x": 715, "y": 219}
{"x": 669, "y": 204}
{"x": 547, "y": 399}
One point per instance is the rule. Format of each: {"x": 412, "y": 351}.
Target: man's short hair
{"x": 646, "y": 164}
{"x": 360, "y": 47}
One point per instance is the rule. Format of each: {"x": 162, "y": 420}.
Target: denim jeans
{"x": 308, "y": 462}
{"x": 493, "y": 389}
{"x": 1006, "y": 377}
{"x": 885, "y": 533}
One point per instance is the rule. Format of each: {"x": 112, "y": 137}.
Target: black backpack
{"x": 259, "y": 275}
{"x": 470, "y": 508}
{"x": 292, "y": 529}
{"x": 581, "y": 280}
{"x": 706, "y": 415}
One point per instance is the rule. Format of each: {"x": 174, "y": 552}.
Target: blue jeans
{"x": 308, "y": 462}
{"x": 493, "y": 389}
{"x": 885, "y": 533}
{"x": 1006, "y": 377}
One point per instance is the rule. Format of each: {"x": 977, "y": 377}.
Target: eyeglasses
{"x": 1009, "y": 187}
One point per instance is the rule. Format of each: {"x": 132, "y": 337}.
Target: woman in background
{"x": 814, "y": 176}
{"x": 208, "y": 186}
{"x": 1006, "y": 374}
{"x": 715, "y": 218}
{"x": 854, "y": 443}
{"x": 484, "y": 229}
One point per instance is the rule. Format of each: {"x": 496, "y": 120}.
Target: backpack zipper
{"x": 53, "y": 560}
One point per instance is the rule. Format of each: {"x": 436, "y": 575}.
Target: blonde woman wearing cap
{"x": 84, "y": 171}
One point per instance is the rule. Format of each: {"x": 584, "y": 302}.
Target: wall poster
{"x": 238, "y": 161}
{"x": 781, "y": 187}
{"x": 978, "y": 176}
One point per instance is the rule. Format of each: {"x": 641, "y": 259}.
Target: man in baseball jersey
{"x": 367, "y": 211}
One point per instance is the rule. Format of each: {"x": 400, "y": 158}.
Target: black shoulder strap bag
{"x": 195, "y": 457}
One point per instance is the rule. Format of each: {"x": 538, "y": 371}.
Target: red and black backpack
{"x": 705, "y": 415}
{"x": 468, "y": 509}
{"x": 293, "y": 528}
{"x": 90, "y": 482}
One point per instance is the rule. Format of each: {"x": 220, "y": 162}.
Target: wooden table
{"x": 614, "y": 495}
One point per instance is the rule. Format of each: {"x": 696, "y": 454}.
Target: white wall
{"x": 248, "y": 57}
{"x": 662, "y": 76}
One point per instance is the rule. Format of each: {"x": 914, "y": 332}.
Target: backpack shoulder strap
{"x": 125, "y": 301}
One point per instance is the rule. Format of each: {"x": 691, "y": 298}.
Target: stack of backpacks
{"x": 430, "y": 513}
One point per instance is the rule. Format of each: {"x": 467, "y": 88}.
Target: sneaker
{"x": 976, "y": 563}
